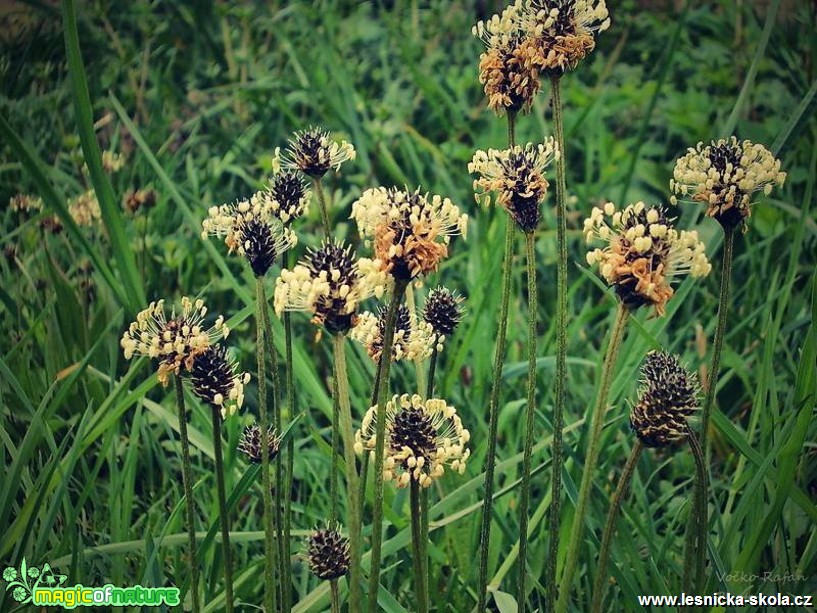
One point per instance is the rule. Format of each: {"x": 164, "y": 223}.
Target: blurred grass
{"x": 197, "y": 98}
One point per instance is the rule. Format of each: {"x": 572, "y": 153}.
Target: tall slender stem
{"x": 290, "y": 445}
{"x": 600, "y": 582}
{"x": 521, "y": 592}
{"x": 592, "y": 457}
{"x": 333, "y": 587}
{"x": 380, "y": 438}
{"x": 266, "y": 480}
{"x": 318, "y": 185}
{"x": 189, "y": 502}
{"x": 352, "y": 482}
{"x": 695, "y": 553}
{"x": 222, "y": 509}
{"x": 493, "y": 404}
{"x": 333, "y": 476}
{"x": 432, "y": 367}
{"x": 418, "y": 548}
{"x": 555, "y": 517}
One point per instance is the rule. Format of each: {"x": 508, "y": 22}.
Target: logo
{"x": 43, "y": 587}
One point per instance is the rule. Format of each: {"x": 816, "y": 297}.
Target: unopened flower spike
{"x": 643, "y": 253}
{"x": 252, "y": 229}
{"x": 562, "y": 32}
{"x": 443, "y": 311}
{"x": 422, "y": 439}
{"x": 409, "y": 231}
{"x": 329, "y": 283}
{"x": 725, "y": 175}
{"x": 286, "y": 196}
{"x": 414, "y": 339}
{"x": 250, "y": 443}
{"x": 176, "y": 341}
{"x": 517, "y": 176}
{"x": 667, "y": 397}
{"x": 327, "y": 552}
{"x": 217, "y": 381}
{"x": 507, "y": 69}
{"x": 314, "y": 153}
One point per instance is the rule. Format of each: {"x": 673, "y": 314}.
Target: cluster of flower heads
{"x": 422, "y": 438}
{"x": 175, "y": 341}
{"x": 409, "y": 231}
{"x": 413, "y": 339}
{"x": 725, "y": 175}
{"x": 327, "y": 552}
{"x": 251, "y": 229}
{"x": 517, "y": 176}
{"x": 329, "y": 283}
{"x": 533, "y": 37}
{"x": 643, "y": 252}
{"x": 667, "y": 397}
{"x": 314, "y": 153}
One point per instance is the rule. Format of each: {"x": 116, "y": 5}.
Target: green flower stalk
{"x": 667, "y": 398}
{"x": 328, "y": 557}
{"x": 176, "y": 342}
{"x": 409, "y": 233}
{"x": 643, "y": 253}
{"x": 215, "y": 380}
{"x": 725, "y": 175}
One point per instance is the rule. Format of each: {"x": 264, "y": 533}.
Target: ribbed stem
{"x": 555, "y": 517}
{"x": 600, "y": 582}
{"x": 289, "y": 382}
{"x": 695, "y": 550}
{"x": 224, "y": 518}
{"x": 189, "y": 503}
{"x": 352, "y": 481}
{"x": 333, "y": 476}
{"x": 592, "y": 457}
{"x": 318, "y": 185}
{"x": 524, "y": 497}
{"x": 266, "y": 480}
{"x": 493, "y": 405}
{"x": 333, "y": 587}
{"x": 380, "y": 438}
{"x": 418, "y": 547}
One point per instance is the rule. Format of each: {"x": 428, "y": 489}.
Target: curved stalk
{"x": 555, "y": 517}
{"x": 222, "y": 509}
{"x": 380, "y": 438}
{"x": 266, "y": 481}
{"x": 418, "y": 548}
{"x": 189, "y": 503}
{"x": 318, "y": 185}
{"x": 521, "y": 592}
{"x": 600, "y": 582}
{"x": 592, "y": 457}
{"x": 493, "y": 404}
{"x": 352, "y": 482}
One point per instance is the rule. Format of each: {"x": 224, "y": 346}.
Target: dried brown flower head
{"x": 328, "y": 553}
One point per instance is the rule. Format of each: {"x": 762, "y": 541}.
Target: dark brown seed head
{"x": 289, "y": 191}
{"x": 250, "y": 443}
{"x": 332, "y": 310}
{"x": 414, "y": 429}
{"x": 328, "y": 553}
{"x": 443, "y": 310}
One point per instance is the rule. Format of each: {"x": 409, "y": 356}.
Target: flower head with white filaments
{"x": 517, "y": 176}
{"x": 414, "y": 339}
{"x": 644, "y": 251}
{"x": 217, "y": 381}
{"x": 725, "y": 175}
{"x": 250, "y": 443}
{"x": 506, "y": 68}
{"x": 314, "y": 153}
{"x": 562, "y": 32}
{"x": 422, "y": 438}
{"x": 286, "y": 196}
{"x": 327, "y": 552}
{"x": 329, "y": 283}
{"x": 667, "y": 397}
{"x": 251, "y": 229}
{"x": 176, "y": 341}
{"x": 409, "y": 231}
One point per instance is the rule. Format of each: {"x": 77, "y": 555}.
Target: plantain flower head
{"x": 422, "y": 438}
{"x": 216, "y": 380}
{"x": 507, "y": 68}
{"x": 667, "y": 397}
{"x": 725, "y": 175}
{"x": 517, "y": 176}
{"x": 250, "y": 443}
{"x": 313, "y": 152}
{"x": 410, "y": 231}
{"x": 175, "y": 342}
{"x": 327, "y": 552}
{"x": 443, "y": 311}
{"x": 414, "y": 339}
{"x": 286, "y": 196}
{"x": 643, "y": 253}
{"x": 252, "y": 229}
{"x": 84, "y": 209}
{"x": 329, "y": 283}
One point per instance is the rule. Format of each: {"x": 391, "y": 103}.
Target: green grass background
{"x": 198, "y": 95}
